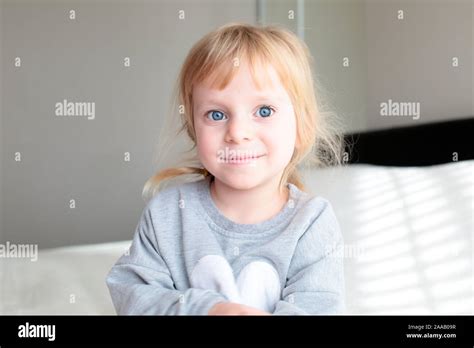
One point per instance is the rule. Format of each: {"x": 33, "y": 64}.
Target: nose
{"x": 239, "y": 129}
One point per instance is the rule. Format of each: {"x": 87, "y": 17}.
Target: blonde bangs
{"x": 219, "y": 67}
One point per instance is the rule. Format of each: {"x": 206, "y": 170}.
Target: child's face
{"x": 238, "y": 124}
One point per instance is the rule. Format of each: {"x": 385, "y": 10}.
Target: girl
{"x": 246, "y": 238}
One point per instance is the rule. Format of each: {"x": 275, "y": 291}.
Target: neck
{"x": 250, "y": 206}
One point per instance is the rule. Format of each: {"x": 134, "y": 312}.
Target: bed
{"x": 408, "y": 233}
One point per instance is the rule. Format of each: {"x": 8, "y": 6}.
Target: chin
{"x": 239, "y": 183}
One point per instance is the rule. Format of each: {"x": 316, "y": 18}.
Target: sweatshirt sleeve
{"x": 140, "y": 283}
{"x": 315, "y": 282}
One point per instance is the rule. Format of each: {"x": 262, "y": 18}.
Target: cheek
{"x": 206, "y": 146}
{"x": 283, "y": 138}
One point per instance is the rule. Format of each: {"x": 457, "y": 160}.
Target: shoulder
{"x": 316, "y": 208}
{"x": 312, "y": 206}
{"x": 171, "y": 198}
{"x": 323, "y": 211}
{"x": 162, "y": 215}
{"x": 322, "y": 226}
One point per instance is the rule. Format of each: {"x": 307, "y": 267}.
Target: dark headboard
{"x": 421, "y": 145}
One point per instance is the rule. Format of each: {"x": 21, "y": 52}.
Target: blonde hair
{"x": 214, "y": 57}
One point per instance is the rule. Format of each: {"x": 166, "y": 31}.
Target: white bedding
{"x": 408, "y": 235}
{"x": 68, "y": 280}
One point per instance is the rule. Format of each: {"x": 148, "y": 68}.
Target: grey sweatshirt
{"x": 187, "y": 256}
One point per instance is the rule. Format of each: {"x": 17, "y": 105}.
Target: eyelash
{"x": 206, "y": 115}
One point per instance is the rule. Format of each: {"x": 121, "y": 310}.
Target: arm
{"x": 141, "y": 283}
{"x": 315, "y": 283}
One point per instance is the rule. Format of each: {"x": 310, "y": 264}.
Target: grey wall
{"x": 64, "y": 158}
{"x": 334, "y": 30}
{"x": 411, "y": 59}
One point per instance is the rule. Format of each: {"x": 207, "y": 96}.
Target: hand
{"x": 231, "y": 308}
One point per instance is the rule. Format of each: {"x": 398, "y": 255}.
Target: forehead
{"x": 260, "y": 81}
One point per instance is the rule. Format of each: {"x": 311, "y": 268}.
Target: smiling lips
{"x": 242, "y": 159}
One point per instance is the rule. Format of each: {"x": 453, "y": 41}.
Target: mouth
{"x": 242, "y": 159}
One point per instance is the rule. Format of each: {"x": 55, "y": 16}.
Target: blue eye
{"x": 265, "y": 111}
{"x": 216, "y": 115}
